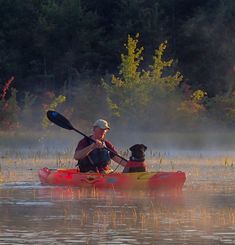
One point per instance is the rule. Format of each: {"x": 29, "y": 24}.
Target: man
{"x": 91, "y": 156}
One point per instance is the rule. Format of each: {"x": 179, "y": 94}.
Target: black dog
{"x": 137, "y": 159}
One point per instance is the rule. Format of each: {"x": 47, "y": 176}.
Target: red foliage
{"x": 6, "y": 87}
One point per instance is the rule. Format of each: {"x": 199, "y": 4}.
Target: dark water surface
{"x": 204, "y": 213}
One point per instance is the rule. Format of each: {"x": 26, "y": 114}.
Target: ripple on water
{"x": 26, "y": 203}
{"x": 22, "y": 185}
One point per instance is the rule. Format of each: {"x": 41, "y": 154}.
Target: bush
{"x": 137, "y": 94}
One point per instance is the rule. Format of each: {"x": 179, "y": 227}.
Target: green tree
{"x": 69, "y": 37}
{"x": 208, "y": 53}
{"x": 18, "y": 20}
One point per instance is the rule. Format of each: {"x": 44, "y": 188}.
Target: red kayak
{"x": 139, "y": 180}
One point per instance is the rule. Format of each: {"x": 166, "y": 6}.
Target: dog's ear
{"x": 144, "y": 147}
{"x": 132, "y": 147}
{"x": 138, "y": 146}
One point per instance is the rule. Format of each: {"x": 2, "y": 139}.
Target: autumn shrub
{"x": 139, "y": 95}
{"x": 9, "y": 109}
{"x": 26, "y": 111}
{"x": 191, "y": 110}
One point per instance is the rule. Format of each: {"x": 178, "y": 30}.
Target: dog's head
{"x": 137, "y": 152}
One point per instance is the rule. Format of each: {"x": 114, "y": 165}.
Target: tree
{"x": 208, "y": 54}
{"x": 132, "y": 93}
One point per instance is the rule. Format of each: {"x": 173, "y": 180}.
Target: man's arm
{"x": 81, "y": 153}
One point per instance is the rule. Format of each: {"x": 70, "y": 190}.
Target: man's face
{"x": 99, "y": 133}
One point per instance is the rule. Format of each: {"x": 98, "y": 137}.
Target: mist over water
{"x": 58, "y": 140}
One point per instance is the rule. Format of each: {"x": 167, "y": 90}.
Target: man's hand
{"x": 98, "y": 144}
{"x": 80, "y": 154}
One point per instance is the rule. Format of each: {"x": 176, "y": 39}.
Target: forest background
{"x": 150, "y": 65}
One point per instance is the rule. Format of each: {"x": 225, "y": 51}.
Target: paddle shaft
{"x": 63, "y": 122}
{"x": 116, "y": 154}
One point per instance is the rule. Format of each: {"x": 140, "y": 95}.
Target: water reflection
{"x": 47, "y": 215}
{"x": 34, "y": 214}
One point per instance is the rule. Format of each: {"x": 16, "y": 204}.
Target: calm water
{"x": 204, "y": 213}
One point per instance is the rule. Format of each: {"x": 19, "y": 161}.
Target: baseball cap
{"x": 101, "y": 123}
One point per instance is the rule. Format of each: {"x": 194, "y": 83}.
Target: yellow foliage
{"x": 58, "y": 100}
{"x": 117, "y": 81}
{"x": 122, "y": 92}
{"x": 194, "y": 105}
{"x": 159, "y": 64}
{"x": 130, "y": 62}
{"x": 166, "y": 83}
{"x": 198, "y": 95}
{"x": 134, "y": 89}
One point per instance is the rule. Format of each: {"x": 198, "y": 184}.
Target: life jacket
{"x": 135, "y": 166}
{"x": 97, "y": 160}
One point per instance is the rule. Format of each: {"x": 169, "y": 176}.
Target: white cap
{"x": 101, "y": 123}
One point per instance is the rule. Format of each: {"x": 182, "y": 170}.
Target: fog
{"x": 58, "y": 140}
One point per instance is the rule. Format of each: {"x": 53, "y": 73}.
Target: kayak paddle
{"x": 63, "y": 122}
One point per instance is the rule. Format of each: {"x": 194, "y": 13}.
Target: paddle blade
{"x": 59, "y": 120}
